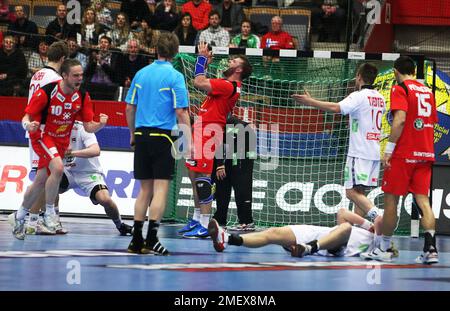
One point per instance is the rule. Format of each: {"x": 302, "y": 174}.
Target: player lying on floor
{"x": 350, "y": 237}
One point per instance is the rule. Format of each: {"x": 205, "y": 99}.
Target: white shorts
{"x": 361, "y": 172}
{"x": 360, "y": 240}
{"x": 34, "y": 158}
{"x": 307, "y": 233}
{"x": 86, "y": 181}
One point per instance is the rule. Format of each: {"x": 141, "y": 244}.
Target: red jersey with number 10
{"x": 417, "y": 138}
{"x": 219, "y": 102}
{"x": 57, "y": 114}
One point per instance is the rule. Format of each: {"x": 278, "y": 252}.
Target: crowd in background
{"x": 113, "y": 47}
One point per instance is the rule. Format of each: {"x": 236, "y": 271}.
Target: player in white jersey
{"x": 365, "y": 108}
{"x": 57, "y": 53}
{"x": 82, "y": 169}
{"x": 347, "y": 239}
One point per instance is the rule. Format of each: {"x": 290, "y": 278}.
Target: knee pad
{"x": 204, "y": 188}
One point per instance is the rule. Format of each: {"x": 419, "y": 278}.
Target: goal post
{"x": 306, "y": 184}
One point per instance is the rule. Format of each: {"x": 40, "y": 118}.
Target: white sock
{"x": 366, "y": 224}
{"x": 50, "y": 209}
{"x": 204, "y": 220}
{"x": 378, "y": 240}
{"x": 385, "y": 242}
{"x": 21, "y": 213}
{"x": 196, "y": 215}
{"x": 33, "y": 219}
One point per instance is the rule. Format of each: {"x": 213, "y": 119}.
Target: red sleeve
{"x": 399, "y": 99}
{"x": 221, "y": 87}
{"x": 87, "y": 110}
{"x": 263, "y": 41}
{"x": 289, "y": 41}
{"x": 37, "y": 103}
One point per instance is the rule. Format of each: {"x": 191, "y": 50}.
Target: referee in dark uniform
{"x": 234, "y": 170}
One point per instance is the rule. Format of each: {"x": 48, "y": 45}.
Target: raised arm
{"x": 203, "y": 59}
{"x": 306, "y": 99}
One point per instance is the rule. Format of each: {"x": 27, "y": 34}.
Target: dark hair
{"x": 214, "y": 12}
{"x": 167, "y": 45}
{"x": 57, "y": 50}
{"x": 246, "y": 67}
{"x": 405, "y": 65}
{"x": 105, "y": 37}
{"x": 68, "y": 64}
{"x": 368, "y": 73}
{"x": 245, "y": 20}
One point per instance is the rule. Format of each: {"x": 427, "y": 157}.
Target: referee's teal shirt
{"x": 157, "y": 90}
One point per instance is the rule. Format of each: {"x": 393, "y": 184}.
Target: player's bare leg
{"x": 112, "y": 211}
{"x": 195, "y": 221}
{"x": 140, "y": 211}
{"x": 17, "y": 219}
{"x": 56, "y": 168}
{"x": 430, "y": 254}
{"x": 204, "y": 189}
{"x": 358, "y": 196}
{"x": 155, "y": 214}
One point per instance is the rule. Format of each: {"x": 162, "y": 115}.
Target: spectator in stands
{"x": 129, "y": 63}
{"x": 39, "y": 59}
{"x": 232, "y": 16}
{"x": 148, "y": 37}
{"x": 100, "y": 71}
{"x": 199, "y": 10}
{"x": 120, "y": 33}
{"x": 185, "y": 32}
{"x": 90, "y": 29}
{"x": 215, "y": 35}
{"x": 59, "y": 28}
{"x": 246, "y": 39}
{"x": 75, "y": 53}
{"x": 1, "y": 39}
{"x": 166, "y": 15}
{"x": 6, "y": 16}
{"x": 328, "y": 18}
{"x": 103, "y": 14}
{"x": 136, "y": 10}
{"x": 24, "y": 30}
{"x": 13, "y": 69}
{"x": 277, "y": 38}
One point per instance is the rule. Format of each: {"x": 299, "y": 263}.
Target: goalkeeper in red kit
{"x": 408, "y": 158}
{"x": 222, "y": 96}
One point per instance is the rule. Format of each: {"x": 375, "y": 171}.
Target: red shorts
{"x": 407, "y": 176}
{"x": 204, "y": 148}
{"x": 48, "y": 148}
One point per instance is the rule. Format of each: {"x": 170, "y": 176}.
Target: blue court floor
{"x": 93, "y": 257}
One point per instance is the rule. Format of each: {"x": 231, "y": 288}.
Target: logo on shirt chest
{"x": 68, "y": 106}
{"x": 418, "y": 124}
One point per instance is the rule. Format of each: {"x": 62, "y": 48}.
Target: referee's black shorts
{"x": 153, "y": 154}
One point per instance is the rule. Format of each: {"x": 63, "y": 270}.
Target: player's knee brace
{"x": 205, "y": 189}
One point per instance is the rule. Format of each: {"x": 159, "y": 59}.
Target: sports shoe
{"x": 51, "y": 221}
{"x": 136, "y": 245}
{"x": 125, "y": 229}
{"x": 300, "y": 250}
{"x": 218, "y": 235}
{"x": 198, "y": 232}
{"x": 189, "y": 226}
{"x": 378, "y": 254}
{"x": 60, "y": 230}
{"x": 156, "y": 249}
{"x": 18, "y": 226}
{"x": 428, "y": 258}
{"x": 38, "y": 228}
{"x": 244, "y": 227}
